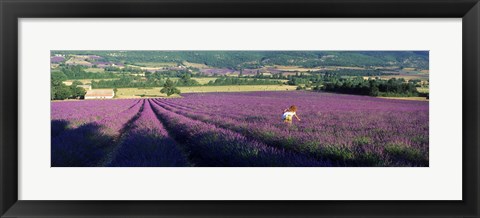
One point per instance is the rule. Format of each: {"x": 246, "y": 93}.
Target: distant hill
{"x": 256, "y": 59}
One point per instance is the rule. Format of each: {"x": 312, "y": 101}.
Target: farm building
{"x": 86, "y": 87}
{"x": 99, "y": 94}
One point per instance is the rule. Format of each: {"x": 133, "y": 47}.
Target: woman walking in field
{"x": 289, "y": 113}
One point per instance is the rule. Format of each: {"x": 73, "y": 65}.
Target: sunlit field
{"x": 241, "y": 129}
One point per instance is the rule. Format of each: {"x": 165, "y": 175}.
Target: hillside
{"x": 257, "y": 59}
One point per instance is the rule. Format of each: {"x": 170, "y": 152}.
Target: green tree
{"x": 186, "y": 80}
{"x": 374, "y": 91}
{"x": 169, "y": 88}
{"x": 76, "y": 83}
{"x": 57, "y": 78}
{"x": 57, "y": 88}
{"x": 62, "y": 92}
{"x": 77, "y": 92}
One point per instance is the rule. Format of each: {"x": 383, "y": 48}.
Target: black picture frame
{"x": 12, "y": 10}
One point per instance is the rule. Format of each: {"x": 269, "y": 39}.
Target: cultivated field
{"x": 140, "y": 92}
{"x": 155, "y": 64}
{"x": 407, "y": 98}
{"x": 423, "y": 77}
{"x": 155, "y": 92}
{"x": 423, "y": 89}
{"x": 305, "y": 69}
{"x": 88, "y": 81}
{"x": 235, "y": 88}
{"x": 195, "y": 65}
{"x": 240, "y": 130}
{"x": 95, "y": 70}
{"x": 204, "y": 80}
{"x": 78, "y": 60}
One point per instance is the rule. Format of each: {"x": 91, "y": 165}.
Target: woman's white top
{"x": 288, "y": 114}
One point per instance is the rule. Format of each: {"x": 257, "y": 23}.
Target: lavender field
{"x": 241, "y": 130}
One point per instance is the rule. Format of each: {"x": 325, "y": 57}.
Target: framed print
{"x": 224, "y": 117}
{"x": 226, "y": 108}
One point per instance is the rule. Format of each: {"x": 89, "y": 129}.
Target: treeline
{"x": 372, "y": 87}
{"x": 354, "y": 72}
{"x": 152, "y": 80}
{"x": 77, "y": 72}
{"x": 158, "y": 80}
{"x": 169, "y": 73}
{"x": 225, "y": 80}
{"x": 123, "y": 82}
{"x": 308, "y": 79}
{"x": 60, "y": 91}
{"x": 333, "y": 82}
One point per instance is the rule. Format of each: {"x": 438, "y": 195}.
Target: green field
{"x": 155, "y": 92}
{"x": 234, "y": 88}
{"x": 95, "y": 70}
{"x": 407, "y": 98}
{"x": 140, "y": 92}
{"x": 88, "y": 81}
{"x": 201, "y": 80}
{"x": 156, "y": 64}
{"x": 204, "y": 80}
{"x": 422, "y": 89}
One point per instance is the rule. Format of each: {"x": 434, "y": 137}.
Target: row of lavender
{"x": 122, "y": 133}
{"x": 78, "y": 113}
{"x": 136, "y": 137}
{"x": 208, "y": 145}
{"x": 344, "y": 130}
{"x": 89, "y": 142}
